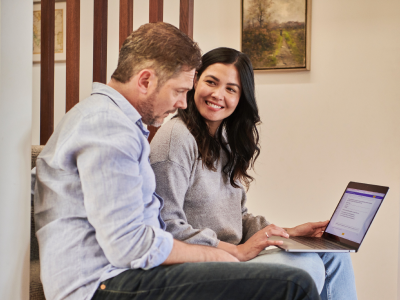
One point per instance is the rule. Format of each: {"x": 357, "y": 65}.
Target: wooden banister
{"x": 47, "y": 70}
{"x": 156, "y": 11}
{"x": 186, "y": 17}
{"x": 100, "y": 41}
{"x": 155, "y": 15}
{"x": 125, "y": 20}
{"x": 73, "y": 47}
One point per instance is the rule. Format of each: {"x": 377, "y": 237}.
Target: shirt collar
{"x": 122, "y": 103}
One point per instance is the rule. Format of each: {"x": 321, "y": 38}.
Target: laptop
{"x": 349, "y": 223}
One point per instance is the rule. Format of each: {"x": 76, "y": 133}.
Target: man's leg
{"x": 309, "y": 262}
{"x": 339, "y": 282}
{"x": 210, "y": 281}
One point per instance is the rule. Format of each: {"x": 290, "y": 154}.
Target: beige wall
{"x": 15, "y": 139}
{"x": 321, "y": 129}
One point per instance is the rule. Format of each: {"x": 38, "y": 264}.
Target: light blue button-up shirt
{"x": 96, "y": 211}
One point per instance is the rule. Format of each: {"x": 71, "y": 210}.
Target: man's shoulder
{"x": 92, "y": 121}
{"x": 95, "y": 104}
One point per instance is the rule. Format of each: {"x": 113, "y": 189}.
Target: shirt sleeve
{"x": 110, "y": 164}
{"x": 251, "y": 223}
{"x": 172, "y": 181}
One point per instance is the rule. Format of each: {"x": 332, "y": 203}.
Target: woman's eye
{"x": 210, "y": 82}
{"x": 231, "y": 90}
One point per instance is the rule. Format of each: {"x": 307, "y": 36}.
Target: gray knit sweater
{"x": 201, "y": 206}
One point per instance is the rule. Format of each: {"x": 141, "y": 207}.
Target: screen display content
{"x": 354, "y": 214}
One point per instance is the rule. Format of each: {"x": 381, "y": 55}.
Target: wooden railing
{"x": 99, "y": 49}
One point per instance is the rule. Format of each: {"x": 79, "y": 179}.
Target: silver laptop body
{"x": 348, "y": 225}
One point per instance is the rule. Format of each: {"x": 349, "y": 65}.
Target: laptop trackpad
{"x": 289, "y": 244}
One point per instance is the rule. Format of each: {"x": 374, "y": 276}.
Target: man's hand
{"x": 254, "y": 245}
{"x": 311, "y": 229}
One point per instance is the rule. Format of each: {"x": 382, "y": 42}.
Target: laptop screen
{"x": 354, "y": 214}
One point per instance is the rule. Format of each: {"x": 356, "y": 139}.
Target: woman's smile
{"x": 213, "y": 106}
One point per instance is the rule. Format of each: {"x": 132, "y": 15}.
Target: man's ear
{"x": 147, "y": 80}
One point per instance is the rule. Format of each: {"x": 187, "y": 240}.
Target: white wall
{"x": 15, "y": 139}
{"x": 321, "y": 129}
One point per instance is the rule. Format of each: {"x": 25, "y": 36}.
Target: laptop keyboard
{"x": 318, "y": 243}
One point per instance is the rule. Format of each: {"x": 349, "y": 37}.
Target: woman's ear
{"x": 195, "y": 80}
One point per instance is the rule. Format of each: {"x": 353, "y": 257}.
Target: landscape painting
{"x": 276, "y": 33}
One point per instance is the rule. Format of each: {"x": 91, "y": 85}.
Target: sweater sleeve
{"x": 251, "y": 223}
{"x": 173, "y": 153}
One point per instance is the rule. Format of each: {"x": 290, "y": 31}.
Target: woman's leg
{"x": 339, "y": 281}
{"x": 309, "y": 262}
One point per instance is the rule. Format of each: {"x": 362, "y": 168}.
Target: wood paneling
{"x": 47, "y": 71}
{"x": 125, "y": 20}
{"x": 155, "y": 15}
{"x": 100, "y": 41}
{"x": 156, "y": 11}
{"x": 186, "y": 17}
{"x": 73, "y": 46}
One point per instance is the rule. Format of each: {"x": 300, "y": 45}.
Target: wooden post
{"x": 73, "y": 47}
{"x": 186, "y": 17}
{"x": 100, "y": 41}
{"x": 155, "y": 15}
{"x": 125, "y": 20}
{"x": 47, "y": 70}
{"x": 156, "y": 11}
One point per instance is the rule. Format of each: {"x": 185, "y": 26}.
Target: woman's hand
{"x": 312, "y": 229}
{"x": 254, "y": 245}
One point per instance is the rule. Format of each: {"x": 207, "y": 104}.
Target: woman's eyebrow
{"x": 216, "y": 79}
{"x": 213, "y": 77}
{"x": 235, "y": 84}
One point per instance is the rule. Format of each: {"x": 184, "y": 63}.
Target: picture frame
{"x": 276, "y": 34}
{"x": 60, "y": 38}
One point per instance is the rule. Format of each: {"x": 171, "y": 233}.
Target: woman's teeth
{"x": 213, "y": 105}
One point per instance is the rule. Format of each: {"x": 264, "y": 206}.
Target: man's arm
{"x": 117, "y": 191}
{"x": 182, "y": 252}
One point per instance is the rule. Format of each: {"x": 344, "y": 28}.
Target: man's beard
{"x": 146, "y": 109}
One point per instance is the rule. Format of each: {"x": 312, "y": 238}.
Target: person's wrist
{"x": 290, "y": 231}
{"x": 240, "y": 253}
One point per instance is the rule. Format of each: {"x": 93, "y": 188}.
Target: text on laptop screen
{"x": 354, "y": 214}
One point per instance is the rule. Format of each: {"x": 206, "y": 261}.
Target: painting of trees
{"x": 258, "y": 10}
{"x": 274, "y": 33}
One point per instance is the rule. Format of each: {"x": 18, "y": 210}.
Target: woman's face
{"x": 217, "y": 93}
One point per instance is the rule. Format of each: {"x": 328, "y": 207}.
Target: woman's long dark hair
{"x": 242, "y": 148}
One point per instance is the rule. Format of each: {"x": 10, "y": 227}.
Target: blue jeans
{"x": 210, "y": 281}
{"x": 332, "y": 272}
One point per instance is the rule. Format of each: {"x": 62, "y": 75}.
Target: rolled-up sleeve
{"x": 112, "y": 169}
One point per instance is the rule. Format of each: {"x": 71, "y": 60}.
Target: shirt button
{"x": 103, "y": 287}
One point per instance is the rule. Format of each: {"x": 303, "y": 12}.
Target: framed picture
{"x": 276, "y": 34}
{"x": 59, "y": 32}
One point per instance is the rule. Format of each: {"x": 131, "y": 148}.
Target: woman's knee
{"x": 313, "y": 264}
{"x": 309, "y": 262}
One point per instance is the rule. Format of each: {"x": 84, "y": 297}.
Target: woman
{"x": 201, "y": 160}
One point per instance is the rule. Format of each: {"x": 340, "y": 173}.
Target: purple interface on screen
{"x": 354, "y": 214}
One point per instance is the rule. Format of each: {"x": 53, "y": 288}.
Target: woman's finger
{"x": 277, "y": 231}
{"x": 274, "y": 243}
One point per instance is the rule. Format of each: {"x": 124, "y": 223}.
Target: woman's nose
{"x": 218, "y": 94}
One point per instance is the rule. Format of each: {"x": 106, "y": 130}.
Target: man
{"x": 97, "y": 216}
